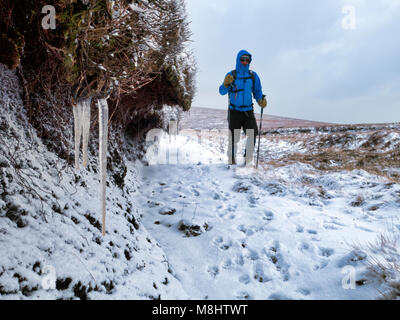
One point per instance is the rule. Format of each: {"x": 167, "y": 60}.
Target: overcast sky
{"x": 313, "y": 65}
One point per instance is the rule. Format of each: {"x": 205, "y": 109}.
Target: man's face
{"x": 245, "y": 60}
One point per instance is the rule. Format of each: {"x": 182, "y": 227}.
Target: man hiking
{"x": 240, "y": 84}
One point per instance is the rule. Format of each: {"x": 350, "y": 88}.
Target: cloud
{"x": 309, "y": 65}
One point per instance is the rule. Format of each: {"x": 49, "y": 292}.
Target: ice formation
{"x": 81, "y": 127}
{"x": 103, "y": 134}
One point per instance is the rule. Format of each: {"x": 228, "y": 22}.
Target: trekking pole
{"x": 259, "y": 136}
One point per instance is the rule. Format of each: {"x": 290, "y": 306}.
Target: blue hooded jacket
{"x": 242, "y": 88}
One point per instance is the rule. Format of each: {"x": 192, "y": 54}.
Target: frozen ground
{"x": 273, "y": 233}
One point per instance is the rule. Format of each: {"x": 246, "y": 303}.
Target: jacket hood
{"x": 239, "y": 67}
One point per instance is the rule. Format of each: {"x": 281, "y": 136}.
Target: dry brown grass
{"x": 333, "y": 159}
{"x": 383, "y": 263}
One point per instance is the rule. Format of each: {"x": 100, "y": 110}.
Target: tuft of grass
{"x": 358, "y": 202}
{"x": 383, "y": 264}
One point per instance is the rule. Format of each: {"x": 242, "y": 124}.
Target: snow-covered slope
{"x": 275, "y": 233}
{"x": 50, "y": 224}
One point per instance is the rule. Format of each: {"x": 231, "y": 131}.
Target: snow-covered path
{"x": 242, "y": 234}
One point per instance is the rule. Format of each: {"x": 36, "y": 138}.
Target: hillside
{"x": 50, "y": 221}
{"x": 208, "y": 118}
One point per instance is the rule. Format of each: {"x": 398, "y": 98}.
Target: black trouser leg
{"x": 250, "y": 122}
{"x": 235, "y": 126}
{"x": 250, "y": 127}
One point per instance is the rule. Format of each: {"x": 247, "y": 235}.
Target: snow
{"x": 61, "y": 231}
{"x": 184, "y": 226}
{"x": 260, "y": 234}
{"x": 134, "y": 7}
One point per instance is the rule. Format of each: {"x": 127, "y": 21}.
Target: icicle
{"x": 103, "y": 134}
{"x": 82, "y": 125}
{"x": 85, "y": 129}
{"x": 77, "y": 109}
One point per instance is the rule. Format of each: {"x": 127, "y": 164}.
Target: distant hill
{"x": 208, "y": 118}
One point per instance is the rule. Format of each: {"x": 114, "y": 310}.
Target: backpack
{"x": 234, "y": 74}
{"x": 252, "y": 76}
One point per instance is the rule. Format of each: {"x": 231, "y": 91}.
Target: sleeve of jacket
{"x": 257, "y": 90}
{"x": 222, "y": 90}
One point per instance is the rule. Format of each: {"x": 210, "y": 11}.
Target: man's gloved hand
{"x": 228, "y": 80}
{"x": 262, "y": 102}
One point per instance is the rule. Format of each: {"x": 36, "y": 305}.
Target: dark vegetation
{"x": 134, "y": 53}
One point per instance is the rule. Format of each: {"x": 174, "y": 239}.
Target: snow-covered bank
{"x": 275, "y": 233}
{"x": 50, "y": 224}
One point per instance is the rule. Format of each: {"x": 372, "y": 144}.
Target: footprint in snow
{"x": 323, "y": 264}
{"x": 275, "y": 256}
{"x": 216, "y": 196}
{"x": 252, "y": 255}
{"x": 304, "y": 291}
{"x": 245, "y": 279}
{"x": 232, "y": 208}
{"x": 314, "y": 235}
{"x": 227, "y": 264}
{"x": 227, "y": 195}
{"x": 279, "y": 296}
{"x": 213, "y": 270}
{"x": 252, "y": 201}
{"x": 222, "y": 215}
{"x": 259, "y": 274}
{"x": 226, "y": 245}
{"x": 215, "y": 183}
{"x": 304, "y": 246}
{"x": 249, "y": 231}
{"x": 218, "y": 240}
{"x": 268, "y": 215}
{"x": 243, "y": 295}
{"x": 239, "y": 260}
{"x": 326, "y": 252}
